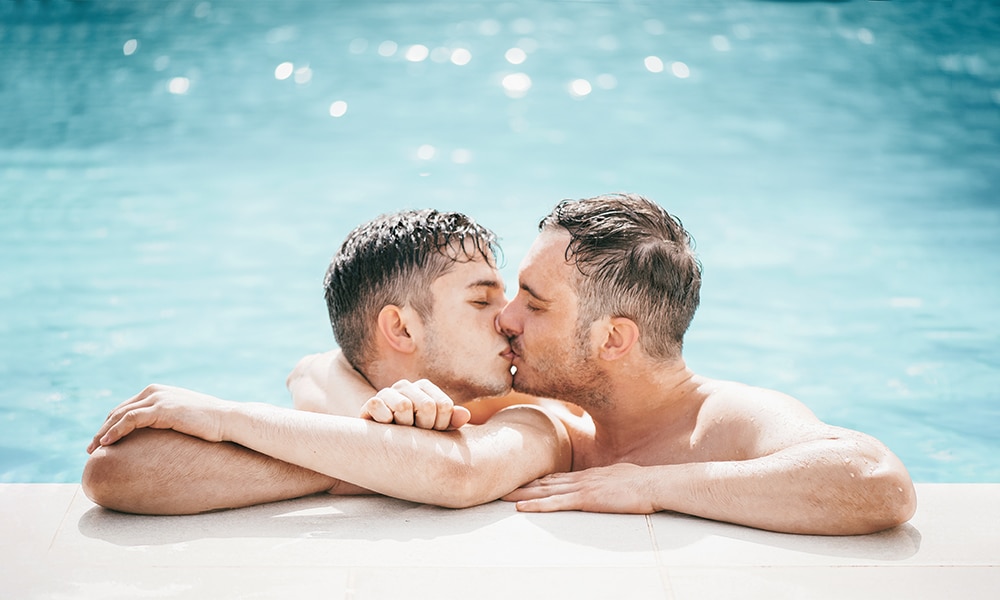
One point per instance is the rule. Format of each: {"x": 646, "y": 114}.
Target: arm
{"x": 842, "y": 484}
{"x": 449, "y": 468}
{"x": 162, "y": 472}
{"x": 757, "y": 458}
{"x": 166, "y": 472}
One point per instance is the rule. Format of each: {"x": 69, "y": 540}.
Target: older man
{"x": 605, "y": 296}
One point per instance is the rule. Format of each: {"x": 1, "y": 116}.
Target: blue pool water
{"x": 174, "y": 177}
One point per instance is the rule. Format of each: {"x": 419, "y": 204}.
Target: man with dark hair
{"x": 411, "y": 295}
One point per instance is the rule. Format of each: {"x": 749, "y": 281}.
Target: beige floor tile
{"x": 487, "y": 583}
{"x": 954, "y": 525}
{"x": 369, "y": 531}
{"x": 202, "y": 583}
{"x": 32, "y": 514}
{"x": 834, "y": 583}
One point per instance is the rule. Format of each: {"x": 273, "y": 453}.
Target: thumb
{"x": 459, "y": 417}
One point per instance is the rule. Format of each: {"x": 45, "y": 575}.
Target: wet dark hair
{"x": 393, "y": 259}
{"x": 635, "y": 260}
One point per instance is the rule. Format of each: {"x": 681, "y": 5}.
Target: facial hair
{"x": 572, "y": 376}
{"x": 441, "y": 368}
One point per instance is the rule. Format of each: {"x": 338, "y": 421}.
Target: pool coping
{"x": 58, "y": 544}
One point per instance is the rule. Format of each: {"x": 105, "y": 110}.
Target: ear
{"x": 395, "y": 326}
{"x": 620, "y": 335}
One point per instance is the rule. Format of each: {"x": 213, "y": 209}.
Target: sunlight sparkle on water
{"x": 515, "y": 56}
{"x": 338, "y": 108}
{"x": 387, "y": 48}
{"x": 179, "y": 85}
{"x": 284, "y": 71}
{"x": 417, "y": 53}
{"x": 516, "y": 85}
{"x": 426, "y": 152}
{"x": 653, "y": 64}
{"x": 579, "y": 88}
{"x": 461, "y": 57}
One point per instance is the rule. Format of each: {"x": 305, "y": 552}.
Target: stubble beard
{"x": 462, "y": 387}
{"x": 572, "y": 377}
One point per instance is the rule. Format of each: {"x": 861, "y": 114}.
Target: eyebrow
{"x": 487, "y": 283}
{"x": 528, "y": 289}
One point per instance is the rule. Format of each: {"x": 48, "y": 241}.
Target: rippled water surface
{"x": 174, "y": 177}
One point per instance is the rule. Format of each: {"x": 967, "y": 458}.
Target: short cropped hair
{"x": 635, "y": 260}
{"x": 393, "y": 259}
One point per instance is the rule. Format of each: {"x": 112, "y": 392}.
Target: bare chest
{"x": 659, "y": 448}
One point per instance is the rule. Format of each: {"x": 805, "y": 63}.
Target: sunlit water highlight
{"x": 174, "y": 177}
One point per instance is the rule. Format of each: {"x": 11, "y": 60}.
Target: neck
{"x": 644, "y": 401}
{"x": 384, "y": 373}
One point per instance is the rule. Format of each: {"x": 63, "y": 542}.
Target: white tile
{"x": 354, "y": 531}
{"x": 834, "y": 583}
{"x": 32, "y": 514}
{"x": 504, "y": 583}
{"x": 959, "y": 524}
{"x": 954, "y": 525}
{"x": 216, "y": 583}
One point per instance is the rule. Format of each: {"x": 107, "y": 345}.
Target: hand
{"x": 421, "y": 404}
{"x": 164, "y": 407}
{"x": 619, "y": 488}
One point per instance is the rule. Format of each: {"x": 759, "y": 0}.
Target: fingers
{"x": 435, "y": 406}
{"x": 377, "y": 410}
{"x": 118, "y": 425}
{"x": 459, "y": 417}
{"x": 120, "y": 412}
{"x": 421, "y": 404}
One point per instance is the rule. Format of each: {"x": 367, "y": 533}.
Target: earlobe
{"x": 621, "y": 335}
{"x": 394, "y": 328}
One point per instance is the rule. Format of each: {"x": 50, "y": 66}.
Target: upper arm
{"x": 327, "y": 383}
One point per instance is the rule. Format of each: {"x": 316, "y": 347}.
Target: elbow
{"x": 106, "y": 480}
{"x": 888, "y": 500}
{"x": 458, "y": 483}
{"x": 462, "y": 488}
{"x": 901, "y": 500}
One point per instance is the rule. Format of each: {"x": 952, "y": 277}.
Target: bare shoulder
{"x": 731, "y": 398}
{"x": 756, "y": 421}
{"x": 326, "y": 382}
{"x": 307, "y": 380}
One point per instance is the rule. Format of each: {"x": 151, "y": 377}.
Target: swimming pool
{"x": 175, "y": 176}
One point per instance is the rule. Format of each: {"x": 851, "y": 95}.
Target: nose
{"x": 505, "y": 321}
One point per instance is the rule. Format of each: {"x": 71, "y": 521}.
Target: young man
{"x": 411, "y": 295}
{"x": 606, "y": 294}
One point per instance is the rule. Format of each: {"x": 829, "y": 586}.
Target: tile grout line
{"x": 660, "y": 567}
{"x": 62, "y": 520}
{"x": 350, "y": 584}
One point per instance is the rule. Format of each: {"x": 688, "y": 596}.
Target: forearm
{"x": 825, "y": 487}
{"x": 164, "y": 472}
{"x": 448, "y": 468}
